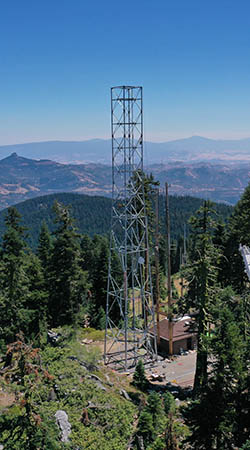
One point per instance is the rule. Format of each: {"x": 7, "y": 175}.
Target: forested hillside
{"x": 93, "y": 214}
{"x": 52, "y": 303}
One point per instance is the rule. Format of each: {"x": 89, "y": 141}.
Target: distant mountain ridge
{"x": 195, "y": 148}
{"x": 22, "y": 178}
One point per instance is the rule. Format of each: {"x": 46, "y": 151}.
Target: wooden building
{"x": 183, "y": 338}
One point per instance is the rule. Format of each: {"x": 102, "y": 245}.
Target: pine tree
{"x": 152, "y": 422}
{"x": 145, "y": 427}
{"x": 13, "y": 280}
{"x": 67, "y": 281}
{"x": 201, "y": 274}
{"x": 44, "y": 246}
{"x": 169, "y": 403}
{"x": 87, "y": 254}
{"x": 156, "y": 409}
{"x": 99, "y": 281}
{"x": 36, "y": 301}
{"x": 238, "y": 233}
{"x": 217, "y": 427}
{"x": 139, "y": 377}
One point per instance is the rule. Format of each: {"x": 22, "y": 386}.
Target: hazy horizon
{"x": 109, "y": 138}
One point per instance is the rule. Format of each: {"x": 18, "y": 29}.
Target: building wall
{"x": 178, "y": 345}
{"x": 184, "y": 344}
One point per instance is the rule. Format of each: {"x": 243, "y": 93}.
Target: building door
{"x": 189, "y": 343}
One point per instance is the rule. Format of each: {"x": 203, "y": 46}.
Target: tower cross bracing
{"x": 130, "y": 319}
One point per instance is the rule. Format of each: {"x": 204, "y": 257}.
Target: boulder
{"x": 53, "y": 337}
{"x": 64, "y": 425}
{"x": 100, "y": 386}
{"x": 125, "y": 394}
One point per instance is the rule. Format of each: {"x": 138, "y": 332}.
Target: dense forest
{"x": 93, "y": 214}
{"x": 60, "y": 285}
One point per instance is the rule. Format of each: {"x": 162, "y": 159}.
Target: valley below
{"x": 23, "y": 178}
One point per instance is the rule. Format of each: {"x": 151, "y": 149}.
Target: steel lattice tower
{"x": 129, "y": 291}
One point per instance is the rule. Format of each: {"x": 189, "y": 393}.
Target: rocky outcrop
{"x": 64, "y": 425}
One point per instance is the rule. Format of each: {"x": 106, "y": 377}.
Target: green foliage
{"x": 169, "y": 403}
{"x": 201, "y": 274}
{"x": 238, "y": 233}
{"x": 156, "y": 409}
{"x": 139, "y": 377}
{"x": 92, "y": 213}
{"x": 158, "y": 444}
{"x": 157, "y": 425}
{"x": 152, "y": 422}
{"x": 98, "y": 417}
{"x": 18, "y": 432}
{"x": 145, "y": 426}
{"x": 44, "y": 246}
{"x": 65, "y": 284}
{"x": 22, "y": 425}
{"x": 223, "y": 397}
{"x": 93, "y": 334}
{"x": 23, "y": 300}
{"x": 98, "y": 276}
{"x": 67, "y": 281}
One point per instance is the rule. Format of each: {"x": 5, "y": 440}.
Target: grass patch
{"x": 92, "y": 334}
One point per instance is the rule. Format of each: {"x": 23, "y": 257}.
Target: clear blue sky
{"x": 59, "y": 58}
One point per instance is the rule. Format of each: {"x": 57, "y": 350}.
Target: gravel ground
{"x": 179, "y": 371}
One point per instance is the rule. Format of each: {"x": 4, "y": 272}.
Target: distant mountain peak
{"x": 198, "y": 138}
{"x": 13, "y": 155}
{"x": 13, "y": 158}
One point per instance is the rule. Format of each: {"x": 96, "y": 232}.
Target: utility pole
{"x": 157, "y": 280}
{"x": 170, "y": 318}
{"x": 183, "y": 259}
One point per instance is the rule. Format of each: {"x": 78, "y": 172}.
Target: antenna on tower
{"x": 130, "y": 318}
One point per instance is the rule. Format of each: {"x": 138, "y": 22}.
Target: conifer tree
{"x": 239, "y": 233}
{"x": 139, "y": 377}
{"x": 156, "y": 409}
{"x": 67, "y": 281}
{"x": 152, "y": 422}
{"x": 213, "y": 417}
{"x": 87, "y": 254}
{"x": 13, "y": 280}
{"x": 44, "y": 246}
{"x": 145, "y": 428}
{"x": 99, "y": 280}
{"x": 36, "y": 301}
{"x": 201, "y": 274}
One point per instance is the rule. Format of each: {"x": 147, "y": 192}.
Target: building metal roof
{"x": 180, "y": 328}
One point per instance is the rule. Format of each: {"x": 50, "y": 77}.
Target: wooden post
{"x": 183, "y": 259}
{"x": 146, "y": 296}
{"x": 126, "y": 317}
{"x": 157, "y": 280}
{"x": 170, "y": 319}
